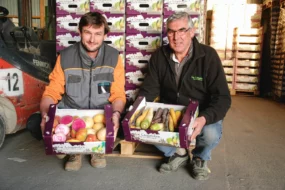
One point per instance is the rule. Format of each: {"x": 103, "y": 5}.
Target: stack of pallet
{"x": 278, "y": 59}
{"x": 218, "y": 40}
{"x": 223, "y": 36}
{"x": 247, "y": 53}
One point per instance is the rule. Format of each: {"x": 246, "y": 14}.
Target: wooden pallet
{"x": 128, "y": 149}
{"x": 237, "y": 92}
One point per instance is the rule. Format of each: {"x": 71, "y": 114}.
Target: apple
{"x": 73, "y": 133}
{"x": 91, "y": 131}
{"x": 81, "y": 134}
{"x": 91, "y": 138}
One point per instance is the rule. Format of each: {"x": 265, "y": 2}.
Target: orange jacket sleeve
{"x": 55, "y": 88}
{"x": 118, "y": 86}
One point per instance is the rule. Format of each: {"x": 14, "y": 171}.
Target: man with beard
{"x": 87, "y": 75}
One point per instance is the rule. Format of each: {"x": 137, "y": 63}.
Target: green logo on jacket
{"x": 197, "y": 78}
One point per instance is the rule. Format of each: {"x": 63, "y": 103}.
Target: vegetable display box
{"x": 79, "y": 131}
{"x": 158, "y": 123}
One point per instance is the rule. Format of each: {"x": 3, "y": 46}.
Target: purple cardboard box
{"x": 116, "y": 22}
{"x": 67, "y": 23}
{"x": 151, "y": 24}
{"x": 176, "y": 139}
{"x": 189, "y": 6}
{"x": 137, "y": 60}
{"x": 144, "y": 6}
{"x": 99, "y": 147}
{"x": 108, "y": 6}
{"x": 116, "y": 40}
{"x": 134, "y": 79}
{"x": 64, "y": 40}
{"x": 142, "y": 42}
{"x": 131, "y": 93}
{"x": 79, "y": 7}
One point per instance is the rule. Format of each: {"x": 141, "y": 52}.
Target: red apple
{"x": 81, "y": 134}
{"x": 91, "y": 138}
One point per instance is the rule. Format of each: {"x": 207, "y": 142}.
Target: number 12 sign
{"x": 11, "y": 82}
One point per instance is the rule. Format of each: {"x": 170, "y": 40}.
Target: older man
{"x": 182, "y": 70}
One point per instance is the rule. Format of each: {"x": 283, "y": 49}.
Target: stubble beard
{"x": 88, "y": 50}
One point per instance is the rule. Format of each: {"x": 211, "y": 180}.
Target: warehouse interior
{"x": 248, "y": 36}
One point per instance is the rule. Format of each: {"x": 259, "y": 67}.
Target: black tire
{"x": 2, "y": 131}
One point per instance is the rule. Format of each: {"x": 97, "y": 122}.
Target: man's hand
{"x": 198, "y": 125}
{"x": 116, "y": 121}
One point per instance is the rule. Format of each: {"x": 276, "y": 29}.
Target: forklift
{"x": 26, "y": 60}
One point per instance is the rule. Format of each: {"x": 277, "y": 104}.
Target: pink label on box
{"x": 79, "y": 7}
{"x": 108, "y": 6}
{"x": 144, "y": 23}
{"x": 143, "y": 42}
{"x": 137, "y": 60}
{"x": 189, "y": 6}
{"x": 144, "y": 6}
{"x": 67, "y": 23}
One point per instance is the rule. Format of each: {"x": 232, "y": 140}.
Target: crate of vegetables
{"x": 158, "y": 123}
{"x": 79, "y": 131}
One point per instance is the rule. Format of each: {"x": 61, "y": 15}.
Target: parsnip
{"x": 147, "y": 120}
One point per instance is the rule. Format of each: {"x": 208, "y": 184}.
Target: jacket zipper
{"x": 90, "y": 81}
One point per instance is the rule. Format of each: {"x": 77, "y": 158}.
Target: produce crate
{"x": 100, "y": 147}
{"x": 178, "y": 138}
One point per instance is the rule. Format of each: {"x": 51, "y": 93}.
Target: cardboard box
{"x": 67, "y": 23}
{"x": 116, "y": 22}
{"x": 151, "y": 24}
{"x": 143, "y": 42}
{"x": 151, "y": 7}
{"x": 116, "y": 40}
{"x": 245, "y": 86}
{"x": 176, "y": 139}
{"x": 189, "y": 6}
{"x": 134, "y": 79}
{"x": 108, "y": 6}
{"x": 131, "y": 93}
{"x": 100, "y": 147}
{"x": 79, "y": 7}
{"x": 64, "y": 40}
{"x": 137, "y": 60}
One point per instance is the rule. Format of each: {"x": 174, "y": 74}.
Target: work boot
{"x": 74, "y": 162}
{"x": 98, "y": 160}
{"x": 199, "y": 170}
{"x": 174, "y": 162}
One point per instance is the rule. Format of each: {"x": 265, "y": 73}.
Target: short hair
{"x": 94, "y": 19}
{"x": 179, "y": 15}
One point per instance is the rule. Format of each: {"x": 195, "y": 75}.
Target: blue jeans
{"x": 206, "y": 141}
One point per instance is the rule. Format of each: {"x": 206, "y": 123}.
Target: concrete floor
{"x": 250, "y": 156}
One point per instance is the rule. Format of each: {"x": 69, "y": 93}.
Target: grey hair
{"x": 179, "y": 15}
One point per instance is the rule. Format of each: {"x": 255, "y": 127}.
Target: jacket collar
{"x": 85, "y": 57}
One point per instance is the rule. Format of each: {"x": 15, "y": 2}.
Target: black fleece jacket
{"x": 202, "y": 79}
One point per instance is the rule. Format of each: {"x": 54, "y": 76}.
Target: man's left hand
{"x": 198, "y": 125}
